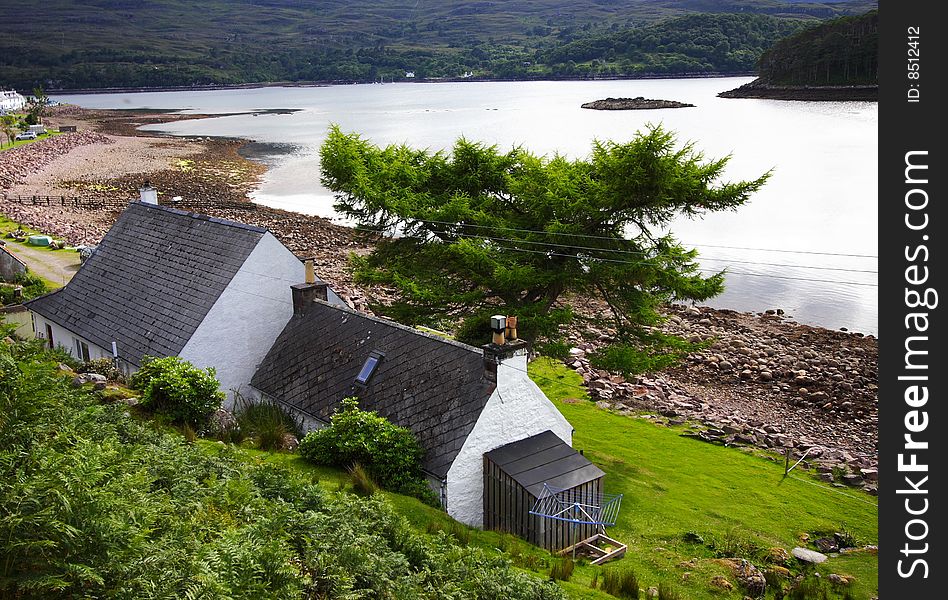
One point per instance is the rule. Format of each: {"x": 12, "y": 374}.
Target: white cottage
{"x": 167, "y": 282}
{"x": 222, "y": 294}
{"x": 460, "y": 401}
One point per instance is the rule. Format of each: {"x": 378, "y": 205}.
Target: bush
{"x": 103, "y": 366}
{"x": 389, "y": 454}
{"x": 32, "y": 285}
{"x": 267, "y": 422}
{"x": 562, "y": 569}
{"x": 97, "y": 504}
{"x": 620, "y": 583}
{"x": 178, "y": 390}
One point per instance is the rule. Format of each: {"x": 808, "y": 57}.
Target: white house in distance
{"x": 167, "y": 282}
{"x": 11, "y": 101}
{"x": 217, "y": 293}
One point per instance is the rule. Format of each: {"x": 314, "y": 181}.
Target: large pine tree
{"x": 481, "y": 231}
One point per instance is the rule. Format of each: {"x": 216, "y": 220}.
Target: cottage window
{"x": 82, "y": 350}
{"x": 49, "y": 336}
{"x": 368, "y": 368}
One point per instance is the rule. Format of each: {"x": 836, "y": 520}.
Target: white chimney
{"x": 148, "y": 194}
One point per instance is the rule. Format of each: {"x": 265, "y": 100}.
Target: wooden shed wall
{"x": 507, "y": 507}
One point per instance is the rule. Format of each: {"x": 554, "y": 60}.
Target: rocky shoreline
{"x": 762, "y": 382}
{"x": 638, "y": 103}
{"x": 834, "y": 93}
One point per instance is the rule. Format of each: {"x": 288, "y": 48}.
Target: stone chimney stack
{"x": 305, "y": 293}
{"x": 504, "y": 345}
{"x": 148, "y": 194}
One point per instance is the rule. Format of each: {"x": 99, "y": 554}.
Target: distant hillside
{"x": 693, "y": 43}
{"x": 836, "y": 60}
{"x": 843, "y": 51}
{"x": 152, "y": 43}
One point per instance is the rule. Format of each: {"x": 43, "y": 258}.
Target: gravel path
{"x": 56, "y": 266}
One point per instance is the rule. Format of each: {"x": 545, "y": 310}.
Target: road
{"x": 57, "y": 267}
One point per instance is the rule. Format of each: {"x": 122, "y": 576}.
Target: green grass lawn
{"x": 738, "y": 502}
{"x": 674, "y": 485}
{"x": 8, "y": 225}
{"x": 16, "y": 144}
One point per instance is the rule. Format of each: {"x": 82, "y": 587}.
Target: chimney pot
{"x": 148, "y": 194}
{"x": 498, "y": 323}
{"x": 310, "y": 271}
{"x": 511, "y": 329}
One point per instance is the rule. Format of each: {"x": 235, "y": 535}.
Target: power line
{"x": 625, "y": 262}
{"x": 600, "y": 237}
{"x": 641, "y": 253}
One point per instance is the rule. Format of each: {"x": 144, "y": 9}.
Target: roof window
{"x": 368, "y": 368}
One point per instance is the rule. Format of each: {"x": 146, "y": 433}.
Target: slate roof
{"x": 544, "y": 458}
{"x": 151, "y": 281}
{"x": 435, "y": 387}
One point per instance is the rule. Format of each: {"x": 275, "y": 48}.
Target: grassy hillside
{"x": 100, "y": 43}
{"x": 94, "y": 501}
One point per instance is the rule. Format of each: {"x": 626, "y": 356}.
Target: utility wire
{"x": 600, "y": 237}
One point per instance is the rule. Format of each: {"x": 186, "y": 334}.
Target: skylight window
{"x": 368, "y": 368}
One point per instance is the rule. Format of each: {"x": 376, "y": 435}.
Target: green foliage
{"x": 667, "y": 592}
{"x": 362, "y": 482}
{"x": 176, "y": 389}
{"x": 103, "y": 366}
{"x": 33, "y": 286}
{"x": 388, "y": 453}
{"x": 562, "y": 569}
{"x": 98, "y": 505}
{"x": 652, "y": 352}
{"x": 123, "y": 43}
{"x": 488, "y": 231}
{"x": 843, "y": 51}
{"x": 268, "y": 423}
{"x": 692, "y": 43}
{"x": 622, "y": 583}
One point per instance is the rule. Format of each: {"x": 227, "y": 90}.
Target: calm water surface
{"x": 806, "y": 243}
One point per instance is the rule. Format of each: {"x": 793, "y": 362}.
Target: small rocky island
{"x": 639, "y": 103}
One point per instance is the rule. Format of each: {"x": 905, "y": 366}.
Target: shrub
{"x": 657, "y": 352}
{"x": 267, "y": 422}
{"x": 178, "y": 390}
{"x": 103, "y": 366}
{"x": 390, "y": 454}
{"x": 562, "y": 569}
{"x": 32, "y": 286}
{"x": 620, "y": 583}
{"x": 362, "y": 482}
{"x": 667, "y": 592}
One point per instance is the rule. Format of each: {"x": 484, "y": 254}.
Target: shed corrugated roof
{"x": 437, "y": 388}
{"x": 151, "y": 281}
{"x": 544, "y": 459}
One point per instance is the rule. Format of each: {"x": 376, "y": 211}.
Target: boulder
{"x": 808, "y": 556}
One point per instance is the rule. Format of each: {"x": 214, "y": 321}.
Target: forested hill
{"x": 843, "y": 51}
{"x": 154, "y": 43}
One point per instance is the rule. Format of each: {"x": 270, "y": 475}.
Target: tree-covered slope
{"x": 843, "y": 51}
{"x": 132, "y": 43}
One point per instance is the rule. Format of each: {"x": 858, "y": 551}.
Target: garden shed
{"x": 520, "y": 475}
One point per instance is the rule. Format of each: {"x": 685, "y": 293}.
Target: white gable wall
{"x": 248, "y": 316}
{"x": 67, "y": 339}
{"x": 516, "y": 410}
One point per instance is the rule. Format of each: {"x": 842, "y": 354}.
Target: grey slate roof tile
{"x": 151, "y": 281}
{"x": 435, "y": 387}
{"x": 544, "y": 458}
